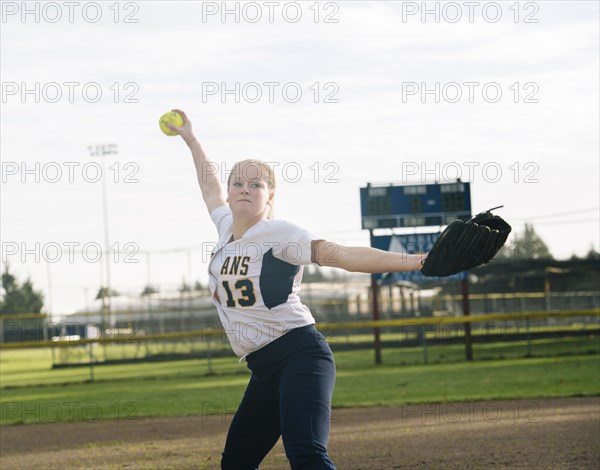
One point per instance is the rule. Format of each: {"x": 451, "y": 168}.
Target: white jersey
{"x": 255, "y": 280}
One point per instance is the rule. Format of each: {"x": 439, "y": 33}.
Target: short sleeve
{"x": 291, "y": 243}
{"x": 222, "y": 219}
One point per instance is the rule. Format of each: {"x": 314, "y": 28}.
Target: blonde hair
{"x": 266, "y": 174}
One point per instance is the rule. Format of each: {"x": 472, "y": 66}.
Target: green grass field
{"x": 31, "y": 391}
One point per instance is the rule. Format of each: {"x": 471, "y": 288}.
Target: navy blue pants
{"x": 289, "y": 395}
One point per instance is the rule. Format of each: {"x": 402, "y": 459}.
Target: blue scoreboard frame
{"x": 419, "y": 205}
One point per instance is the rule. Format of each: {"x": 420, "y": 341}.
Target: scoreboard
{"x": 419, "y": 205}
{"x": 409, "y": 244}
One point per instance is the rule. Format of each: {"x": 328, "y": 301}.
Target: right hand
{"x": 185, "y": 131}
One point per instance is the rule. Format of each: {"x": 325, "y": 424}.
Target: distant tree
{"x": 184, "y": 287}
{"x": 528, "y": 245}
{"x": 103, "y": 291}
{"x": 335, "y": 275}
{"x": 19, "y": 298}
{"x": 593, "y": 254}
{"x": 313, "y": 273}
{"x": 199, "y": 286}
{"x": 149, "y": 290}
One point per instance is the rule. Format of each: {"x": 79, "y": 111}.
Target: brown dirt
{"x": 532, "y": 434}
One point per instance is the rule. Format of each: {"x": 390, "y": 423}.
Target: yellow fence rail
{"x": 207, "y": 332}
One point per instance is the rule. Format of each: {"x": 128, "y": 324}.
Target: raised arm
{"x": 206, "y": 171}
{"x": 363, "y": 259}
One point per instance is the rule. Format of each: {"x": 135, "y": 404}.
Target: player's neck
{"x": 242, "y": 224}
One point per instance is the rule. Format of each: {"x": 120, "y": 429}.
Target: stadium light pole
{"x": 102, "y": 151}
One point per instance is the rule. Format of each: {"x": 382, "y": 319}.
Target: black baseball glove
{"x": 466, "y": 245}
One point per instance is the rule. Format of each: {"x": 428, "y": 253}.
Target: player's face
{"x": 249, "y": 194}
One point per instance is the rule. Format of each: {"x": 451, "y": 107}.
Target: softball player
{"x": 254, "y": 277}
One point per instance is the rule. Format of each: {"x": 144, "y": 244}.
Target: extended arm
{"x": 363, "y": 259}
{"x": 206, "y": 171}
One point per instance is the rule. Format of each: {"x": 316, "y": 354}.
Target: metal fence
{"x": 196, "y": 313}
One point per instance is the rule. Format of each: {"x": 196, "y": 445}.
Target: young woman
{"x": 255, "y": 273}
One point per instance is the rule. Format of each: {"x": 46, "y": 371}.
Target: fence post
{"x": 466, "y": 313}
{"x": 375, "y": 298}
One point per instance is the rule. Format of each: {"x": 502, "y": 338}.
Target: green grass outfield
{"x": 32, "y": 392}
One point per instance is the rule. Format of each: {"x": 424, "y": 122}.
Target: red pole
{"x": 375, "y": 297}
{"x": 466, "y": 313}
{"x": 375, "y": 305}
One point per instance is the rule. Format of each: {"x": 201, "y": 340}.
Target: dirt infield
{"x": 533, "y": 434}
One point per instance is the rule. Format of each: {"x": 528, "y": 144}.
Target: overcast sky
{"x": 338, "y": 93}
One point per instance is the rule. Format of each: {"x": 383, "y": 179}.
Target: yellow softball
{"x": 173, "y": 118}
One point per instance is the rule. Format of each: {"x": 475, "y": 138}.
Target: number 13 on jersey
{"x": 245, "y": 289}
